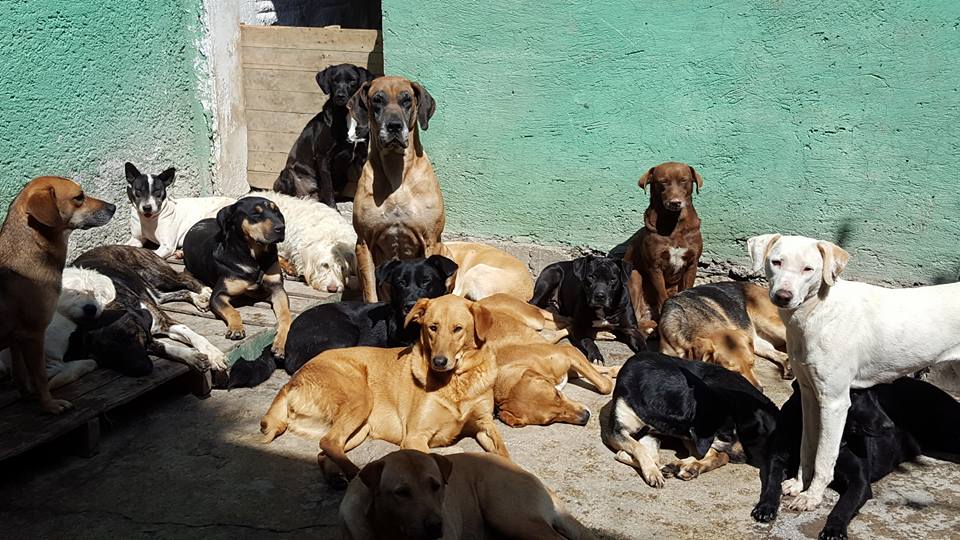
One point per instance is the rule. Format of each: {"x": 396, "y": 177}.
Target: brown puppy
{"x": 430, "y": 394}
{"x": 531, "y": 371}
{"x": 726, "y": 324}
{"x": 398, "y": 207}
{"x": 665, "y": 252}
{"x": 412, "y": 495}
{"x": 33, "y": 251}
{"x": 484, "y": 270}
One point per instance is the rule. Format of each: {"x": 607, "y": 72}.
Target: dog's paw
{"x": 202, "y": 299}
{"x": 833, "y": 532}
{"x": 764, "y": 512}
{"x": 236, "y": 333}
{"x": 217, "y": 360}
{"x": 670, "y": 469}
{"x": 653, "y": 477}
{"x": 682, "y": 470}
{"x": 56, "y": 406}
{"x": 178, "y": 254}
{"x": 792, "y": 487}
{"x": 804, "y": 502}
{"x": 278, "y": 351}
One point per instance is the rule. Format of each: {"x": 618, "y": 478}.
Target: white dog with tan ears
{"x": 842, "y": 335}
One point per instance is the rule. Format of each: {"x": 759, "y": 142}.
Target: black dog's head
{"x": 390, "y": 108}
{"x": 603, "y": 280}
{"x": 256, "y": 219}
{"x": 865, "y": 416}
{"x": 147, "y": 192}
{"x": 405, "y": 282}
{"x": 341, "y": 81}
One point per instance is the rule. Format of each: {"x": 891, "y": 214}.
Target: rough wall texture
{"x": 88, "y": 85}
{"x": 829, "y": 119}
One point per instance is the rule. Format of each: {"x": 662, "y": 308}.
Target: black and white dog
{"x": 158, "y": 218}
{"x": 326, "y": 159}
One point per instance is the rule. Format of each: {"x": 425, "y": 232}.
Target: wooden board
{"x": 324, "y": 39}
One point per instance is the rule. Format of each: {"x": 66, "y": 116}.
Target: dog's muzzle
{"x": 440, "y": 363}
{"x": 674, "y": 205}
{"x": 100, "y": 217}
{"x": 276, "y": 235}
{"x": 782, "y": 298}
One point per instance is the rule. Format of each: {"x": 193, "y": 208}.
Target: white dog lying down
{"x": 83, "y": 297}
{"x": 319, "y": 243}
{"x": 843, "y": 334}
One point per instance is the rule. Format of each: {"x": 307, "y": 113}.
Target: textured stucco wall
{"x": 88, "y": 85}
{"x": 813, "y": 117}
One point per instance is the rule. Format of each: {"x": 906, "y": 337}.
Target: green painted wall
{"x": 86, "y": 85}
{"x": 810, "y": 117}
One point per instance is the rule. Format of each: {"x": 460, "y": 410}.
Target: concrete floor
{"x": 172, "y": 466}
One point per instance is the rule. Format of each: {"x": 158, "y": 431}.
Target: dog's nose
{"x": 433, "y": 526}
{"x": 782, "y": 297}
{"x": 89, "y": 311}
{"x": 439, "y": 362}
{"x": 600, "y": 296}
{"x": 394, "y": 126}
{"x": 110, "y": 207}
{"x": 147, "y": 208}
{"x": 674, "y": 204}
{"x": 333, "y": 287}
{"x": 584, "y": 417}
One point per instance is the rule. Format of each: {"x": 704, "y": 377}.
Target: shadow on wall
{"x": 346, "y": 13}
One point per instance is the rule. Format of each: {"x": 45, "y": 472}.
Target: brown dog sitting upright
{"x": 665, "y": 252}
{"x": 428, "y": 395}
{"x": 33, "y": 251}
{"x": 398, "y": 207}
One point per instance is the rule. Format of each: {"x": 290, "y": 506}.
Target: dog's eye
{"x": 457, "y": 329}
{"x": 325, "y": 266}
{"x": 79, "y": 198}
{"x": 402, "y": 492}
{"x": 775, "y": 263}
{"x": 435, "y": 484}
{"x": 433, "y": 327}
{"x": 807, "y": 269}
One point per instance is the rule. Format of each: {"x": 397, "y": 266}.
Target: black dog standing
{"x": 236, "y": 255}
{"x": 592, "y": 291}
{"x": 324, "y": 162}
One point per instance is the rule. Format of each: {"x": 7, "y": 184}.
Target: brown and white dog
{"x": 665, "y": 252}
{"x": 33, "y": 252}
{"x": 398, "y": 208}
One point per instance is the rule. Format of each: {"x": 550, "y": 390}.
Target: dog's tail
{"x": 274, "y": 423}
{"x": 248, "y": 374}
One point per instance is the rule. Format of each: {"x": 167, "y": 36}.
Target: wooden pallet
{"x": 23, "y": 426}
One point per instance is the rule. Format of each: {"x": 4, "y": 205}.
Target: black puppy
{"x": 236, "y": 255}
{"x": 711, "y": 409}
{"x": 592, "y": 291}
{"x": 324, "y": 161}
{"x": 356, "y": 323}
{"x": 887, "y": 425}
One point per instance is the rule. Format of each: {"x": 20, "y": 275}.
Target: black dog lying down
{"x": 592, "y": 291}
{"x": 886, "y": 426}
{"x": 714, "y": 411}
{"x": 355, "y": 323}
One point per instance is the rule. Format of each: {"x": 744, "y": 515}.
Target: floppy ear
{"x": 625, "y": 269}
{"x": 426, "y": 106}
{"x": 323, "y": 79}
{"x": 866, "y": 416}
{"x": 167, "y": 176}
{"x": 42, "y": 206}
{"x": 370, "y": 475}
{"x": 443, "y": 264}
{"x": 445, "y": 465}
{"x": 697, "y": 178}
{"x": 709, "y": 416}
{"x": 580, "y": 266}
{"x": 482, "y": 321}
{"x": 131, "y": 171}
{"x": 834, "y": 260}
{"x": 645, "y": 179}
{"x": 357, "y": 107}
{"x": 417, "y": 312}
{"x": 223, "y": 219}
{"x": 365, "y": 74}
{"x": 759, "y": 246}
{"x": 702, "y": 349}
{"x": 384, "y": 270}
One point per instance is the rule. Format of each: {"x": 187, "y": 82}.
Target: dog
{"x": 409, "y": 494}
{"x": 664, "y": 254}
{"x": 398, "y": 209}
{"x": 83, "y": 297}
{"x": 324, "y": 163}
{"x": 835, "y": 330}
{"x": 159, "y": 218}
{"x": 485, "y": 270}
{"x": 141, "y": 281}
{"x": 886, "y": 425}
{"x": 716, "y": 413}
{"x": 428, "y": 395}
{"x": 355, "y": 323}
{"x": 725, "y": 323}
{"x": 318, "y": 244}
{"x": 33, "y": 252}
{"x": 592, "y": 292}
{"x": 236, "y": 255}
{"x": 531, "y": 370}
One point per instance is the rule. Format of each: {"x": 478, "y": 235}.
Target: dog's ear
{"x": 42, "y": 206}
{"x": 324, "y": 79}
{"x": 446, "y": 266}
{"x": 445, "y": 465}
{"x": 426, "y": 106}
{"x": 645, "y": 179}
{"x": 357, "y": 107}
{"x": 419, "y": 309}
{"x": 834, "y": 261}
{"x": 370, "y": 475}
{"x": 167, "y": 176}
{"x": 384, "y": 270}
{"x": 866, "y": 416}
{"x": 224, "y": 216}
{"x": 709, "y": 415}
{"x": 365, "y": 75}
{"x": 482, "y": 321}
{"x": 580, "y": 266}
{"x": 759, "y": 246}
{"x": 702, "y": 349}
{"x": 131, "y": 172}
{"x": 696, "y": 178}
{"x": 625, "y": 269}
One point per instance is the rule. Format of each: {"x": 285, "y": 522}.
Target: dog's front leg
{"x": 221, "y": 307}
{"x": 587, "y": 346}
{"x": 832, "y": 416}
{"x": 689, "y": 277}
{"x": 31, "y": 351}
{"x": 659, "y": 284}
{"x": 325, "y": 186}
{"x": 489, "y": 437}
{"x": 165, "y": 250}
{"x": 416, "y": 441}
{"x": 273, "y": 280}
{"x": 856, "y": 480}
{"x": 366, "y": 272}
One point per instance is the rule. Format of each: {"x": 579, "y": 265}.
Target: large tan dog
{"x": 398, "y": 207}
{"x": 484, "y": 270}
{"x": 532, "y": 370}
{"x": 33, "y": 251}
{"x": 427, "y": 395}
{"x": 412, "y": 495}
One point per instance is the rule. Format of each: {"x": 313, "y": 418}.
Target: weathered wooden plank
{"x": 261, "y": 180}
{"x": 270, "y": 141}
{"x": 306, "y": 59}
{"x": 88, "y": 383}
{"x": 330, "y": 39}
{"x": 284, "y": 101}
{"x": 281, "y": 79}
{"x": 266, "y": 161}
{"x": 375, "y": 65}
{"x": 277, "y": 121}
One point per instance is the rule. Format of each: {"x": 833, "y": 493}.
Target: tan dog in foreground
{"x": 531, "y": 370}
{"x": 412, "y": 495}
{"x": 33, "y": 251}
{"x": 485, "y": 270}
{"x": 431, "y": 394}
{"x": 398, "y": 207}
